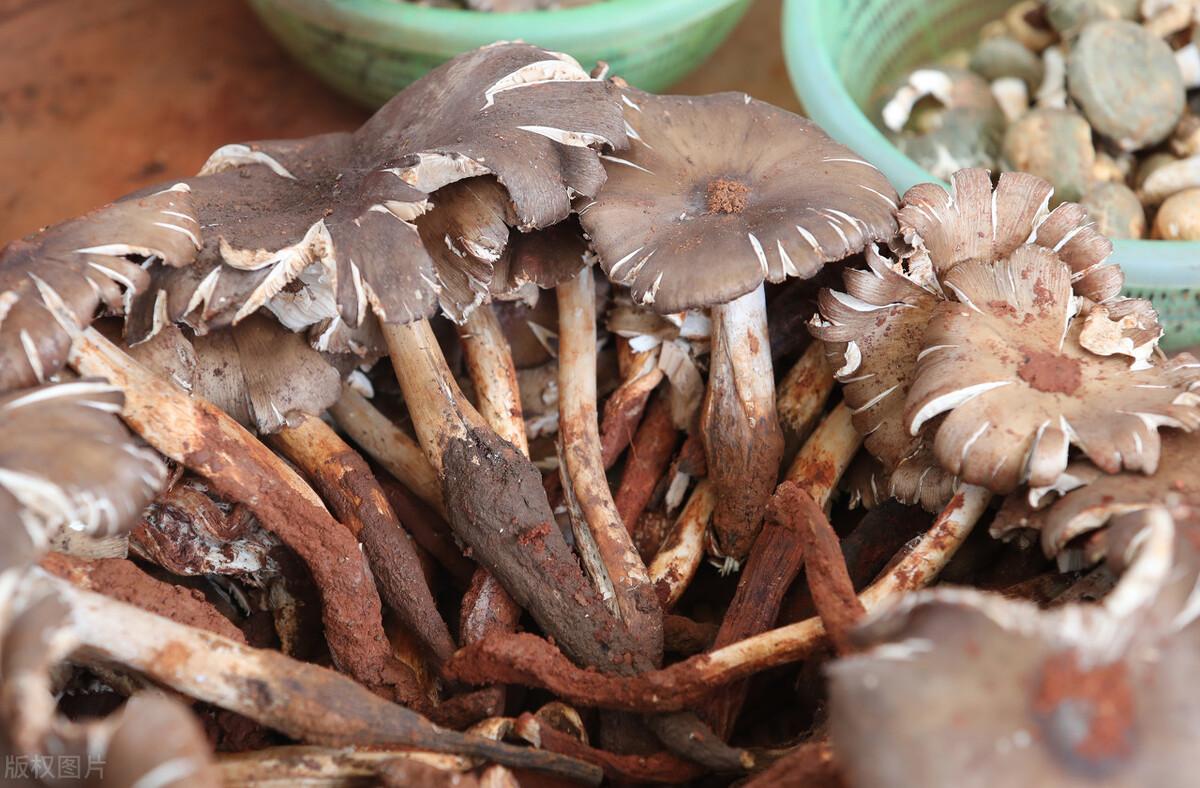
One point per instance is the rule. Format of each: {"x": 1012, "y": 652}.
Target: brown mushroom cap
{"x": 334, "y": 213}
{"x": 544, "y": 258}
{"x": 718, "y": 193}
{"x": 966, "y": 688}
{"x": 1004, "y": 363}
{"x": 1098, "y": 497}
{"x": 85, "y": 263}
{"x": 258, "y": 372}
{"x": 66, "y": 461}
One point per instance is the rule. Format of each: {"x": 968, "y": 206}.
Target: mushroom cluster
{"x": 313, "y": 458}
{"x": 1095, "y": 96}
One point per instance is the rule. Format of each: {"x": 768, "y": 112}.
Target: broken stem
{"x": 525, "y": 659}
{"x": 240, "y": 468}
{"x": 682, "y": 551}
{"x": 497, "y": 507}
{"x": 649, "y": 456}
{"x": 579, "y": 431}
{"x": 742, "y": 437}
{"x": 347, "y": 484}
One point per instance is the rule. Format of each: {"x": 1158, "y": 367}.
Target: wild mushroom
{"x": 66, "y": 463}
{"x": 91, "y": 261}
{"x": 1088, "y": 498}
{"x": 740, "y": 210}
{"x": 1077, "y": 695}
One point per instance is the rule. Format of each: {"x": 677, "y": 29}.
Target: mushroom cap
{"x": 965, "y": 688}
{"x": 261, "y": 374}
{"x": 66, "y": 461}
{"x": 1098, "y": 497}
{"x": 334, "y": 214}
{"x": 84, "y": 263}
{"x": 872, "y": 335}
{"x": 719, "y": 193}
{"x": 544, "y": 258}
{"x": 949, "y": 228}
{"x": 1004, "y": 361}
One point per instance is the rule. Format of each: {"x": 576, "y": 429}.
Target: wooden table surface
{"x": 101, "y": 97}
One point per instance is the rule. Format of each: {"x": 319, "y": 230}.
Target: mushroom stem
{"x": 303, "y": 701}
{"x": 623, "y": 409}
{"x": 579, "y": 431}
{"x": 525, "y": 659}
{"x": 388, "y": 445}
{"x": 323, "y": 767}
{"x": 778, "y": 553}
{"x": 347, "y": 484}
{"x": 649, "y": 456}
{"x": 487, "y": 607}
{"x": 496, "y": 504}
{"x": 682, "y": 551}
{"x": 742, "y": 436}
{"x": 203, "y": 438}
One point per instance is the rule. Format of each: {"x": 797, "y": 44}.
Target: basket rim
{"x": 373, "y": 19}
{"x": 1148, "y": 264}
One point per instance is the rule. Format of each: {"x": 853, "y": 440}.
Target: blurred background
{"x": 101, "y": 97}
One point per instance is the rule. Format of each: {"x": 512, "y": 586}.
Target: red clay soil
{"x": 824, "y": 565}
{"x": 123, "y": 581}
{"x": 810, "y": 765}
{"x": 1103, "y": 695}
{"x": 649, "y": 455}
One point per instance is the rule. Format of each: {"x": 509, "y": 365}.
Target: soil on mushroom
{"x": 1087, "y": 713}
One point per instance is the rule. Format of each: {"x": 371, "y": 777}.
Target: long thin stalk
{"x": 204, "y": 439}
{"x": 347, "y": 484}
{"x": 580, "y": 434}
{"x": 497, "y": 507}
{"x": 388, "y": 445}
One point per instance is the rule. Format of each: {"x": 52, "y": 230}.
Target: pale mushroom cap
{"x": 1005, "y": 363}
{"x": 719, "y": 193}
{"x": 66, "y": 461}
{"x": 80, "y": 266}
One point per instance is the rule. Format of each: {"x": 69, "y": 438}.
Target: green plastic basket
{"x": 371, "y": 49}
{"x": 840, "y": 51}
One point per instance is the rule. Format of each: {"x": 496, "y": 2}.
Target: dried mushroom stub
{"x": 959, "y": 687}
{"x": 90, "y": 263}
{"x": 686, "y": 224}
{"x": 1085, "y": 499}
{"x": 67, "y": 463}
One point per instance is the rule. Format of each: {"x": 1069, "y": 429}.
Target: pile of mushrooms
{"x": 1098, "y": 97}
{"x": 396, "y": 455}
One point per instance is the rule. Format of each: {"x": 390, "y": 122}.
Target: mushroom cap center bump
{"x": 1050, "y": 372}
{"x": 725, "y": 195}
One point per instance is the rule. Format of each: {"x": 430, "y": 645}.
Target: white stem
{"x": 490, "y": 365}
{"x": 826, "y": 455}
{"x": 580, "y": 434}
{"x": 389, "y": 445}
{"x": 683, "y": 548}
{"x": 742, "y": 437}
{"x": 804, "y": 390}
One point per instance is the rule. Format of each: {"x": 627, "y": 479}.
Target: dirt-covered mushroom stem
{"x": 742, "y": 436}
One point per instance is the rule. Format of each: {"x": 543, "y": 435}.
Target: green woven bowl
{"x": 839, "y": 53}
{"x": 370, "y": 49}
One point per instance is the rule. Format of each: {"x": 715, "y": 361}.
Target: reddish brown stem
{"x": 808, "y": 765}
{"x": 825, "y": 567}
{"x": 121, "y": 580}
{"x": 428, "y": 529}
{"x": 346, "y": 483}
{"x": 649, "y": 455}
{"x": 240, "y": 468}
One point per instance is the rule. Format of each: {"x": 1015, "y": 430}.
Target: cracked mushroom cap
{"x": 261, "y": 374}
{"x": 86, "y": 263}
{"x": 719, "y": 193}
{"x": 1008, "y": 364}
{"x": 965, "y": 688}
{"x": 323, "y": 227}
{"x": 66, "y": 461}
{"x": 1090, "y": 499}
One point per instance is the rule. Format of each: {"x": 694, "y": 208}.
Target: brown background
{"x": 101, "y": 97}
